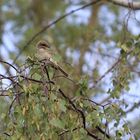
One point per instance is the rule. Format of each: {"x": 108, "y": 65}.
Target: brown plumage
{"x": 44, "y": 52}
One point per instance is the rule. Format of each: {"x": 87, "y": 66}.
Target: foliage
{"x": 101, "y": 57}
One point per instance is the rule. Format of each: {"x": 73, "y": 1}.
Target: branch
{"x": 133, "y": 107}
{"x": 113, "y": 66}
{"x": 11, "y": 105}
{"x": 83, "y": 118}
{"x": 34, "y": 80}
{"x": 108, "y": 71}
{"x": 67, "y": 130}
{"x": 10, "y": 78}
{"x": 24, "y": 77}
{"x": 126, "y": 3}
{"x": 10, "y": 65}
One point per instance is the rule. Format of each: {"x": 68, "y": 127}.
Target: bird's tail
{"x": 54, "y": 64}
{"x": 62, "y": 71}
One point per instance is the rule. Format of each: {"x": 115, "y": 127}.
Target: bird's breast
{"x": 43, "y": 54}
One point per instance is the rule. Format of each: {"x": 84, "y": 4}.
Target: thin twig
{"x": 11, "y": 65}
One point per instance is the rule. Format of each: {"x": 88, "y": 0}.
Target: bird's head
{"x": 43, "y": 45}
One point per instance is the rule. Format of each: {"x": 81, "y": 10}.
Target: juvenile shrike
{"x": 44, "y": 52}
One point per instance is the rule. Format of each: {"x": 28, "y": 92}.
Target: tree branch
{"x": 84, "y": 118}
{"x": 126, "y": 3}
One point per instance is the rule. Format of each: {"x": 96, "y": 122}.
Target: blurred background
{"x": 92, "y": 40}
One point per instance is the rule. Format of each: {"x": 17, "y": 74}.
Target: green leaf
{"x": 62, "y": 105}
{"x": 119, "y": 133}
{"x": 57, "y": 123}
{"x": 126, "y": 129}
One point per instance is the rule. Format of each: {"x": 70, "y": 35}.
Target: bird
{"x": 44, "y": 52}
